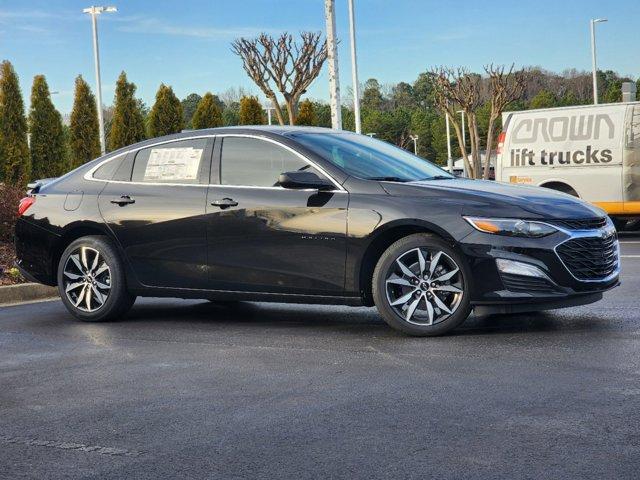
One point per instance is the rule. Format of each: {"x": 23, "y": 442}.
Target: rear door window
{"x": 182, "y": 162}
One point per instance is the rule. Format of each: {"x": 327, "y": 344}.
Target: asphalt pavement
{"x": 190, "y": 389}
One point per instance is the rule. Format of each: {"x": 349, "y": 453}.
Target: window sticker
{"x": 168, "y": 164}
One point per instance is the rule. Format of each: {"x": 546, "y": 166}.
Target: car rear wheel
{"x": 421, "y": 286}
{"x": 91, "y": 280}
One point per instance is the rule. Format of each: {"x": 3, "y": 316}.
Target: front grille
{"x": 521, "y": 283}
{"x": 590, "y": 258}
{"x": 580, "y": 224}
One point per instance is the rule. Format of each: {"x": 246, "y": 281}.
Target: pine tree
{"x": 84, "y": 136}
{"x": 189, "y": 106}
{"x": 251, "y": 112}
{"x": 127, "y": 125}
{"x": 165, "y": 117}
{"x": 208, "y": 113}
{"x": 47, "y": 147}
{"x": 306, "y": 113}
{"x": 15, "y": 162}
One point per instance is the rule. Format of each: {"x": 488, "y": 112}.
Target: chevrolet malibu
{"x": 308, "y": 215}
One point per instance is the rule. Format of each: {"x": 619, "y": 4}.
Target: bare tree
{"x": 284, "y": 65}
{"x": 459, "y": 89}
{"x": 504, "y": 88}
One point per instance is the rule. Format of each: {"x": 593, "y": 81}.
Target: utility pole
{"x": 593, "y": 57}
{"x": 332, "y": 59}
{"x": 415, "y": 143}
{"x": 94, "y": 12}
{"x": 354, "y": 69}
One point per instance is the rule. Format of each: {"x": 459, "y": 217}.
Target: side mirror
{"x": 301, "y": 179}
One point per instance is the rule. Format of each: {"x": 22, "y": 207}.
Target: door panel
{"x": 277, "y": 240}
{"x": 161, "y": 223}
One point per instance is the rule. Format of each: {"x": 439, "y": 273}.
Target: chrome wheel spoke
{"x": 404, "y": 299}
{"x": 447, "y": 288}
{"x": 421, "y": 262}
{"x": 103, "y": 268}
{"x": 405, "y": 270}
{"x": 102, "y": 286}
{"x": 72, "y": 276}
{"x": 99, "y": 296}
{"x": 76, "y": 261}
{"x": 400, "y": 281}
{"x": 87, "y": 298}
{"x": 430, "y": 312}
{"x": 73, "y": 286}
{"x": 446, "y": 276}
{"x": 412, "y": 307}
{"x": 96, "y": 260}
{"x": 435, "y": 258}
{"x": 83, "y": 259}
{"x": 440, "y": 304}
{"x": 81, "y": 296}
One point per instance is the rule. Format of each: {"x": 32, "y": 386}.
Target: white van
{"x": 590, "y": 151}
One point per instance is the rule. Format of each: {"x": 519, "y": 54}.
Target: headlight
{"x": 511, "y": 227}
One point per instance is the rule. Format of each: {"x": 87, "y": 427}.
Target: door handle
{"x": 123, "y": 200}
{"x": 224, "y": 203}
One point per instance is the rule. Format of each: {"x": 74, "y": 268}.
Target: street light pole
{"x": 464, "y": 135}
{"x": 94, "y": 12}
{"x": 449, "y": 158}
{"x": 354, "y": 69}
{"x": 415, "y": 143}
{"x": 593, "y": 57}
{"x": 332, "y": 60}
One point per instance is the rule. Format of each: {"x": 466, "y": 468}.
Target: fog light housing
{"x": 513, "y": 267}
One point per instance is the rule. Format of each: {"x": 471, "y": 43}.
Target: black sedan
{"x": 308, "y": 215}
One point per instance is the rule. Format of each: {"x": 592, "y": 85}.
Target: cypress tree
{"x": 251, "y": 112}
{"x": 306, "y": 113}
{"x": 47, "y": 138}
{"x": 165, "y": 117}
{"x": 15, "y": 162}
{"x": 127, "y": 125}
{"x": 208, "y": 114}
{"x": 84, "y": 136}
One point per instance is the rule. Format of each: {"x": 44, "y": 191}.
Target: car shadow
{"x": 358, "y": 320}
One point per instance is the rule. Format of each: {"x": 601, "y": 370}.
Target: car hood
{"x": 489, "y": 198}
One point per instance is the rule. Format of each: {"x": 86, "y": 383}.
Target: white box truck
{"x": 590, "y": 151}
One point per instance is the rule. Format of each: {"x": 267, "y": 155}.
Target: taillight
{"x": 501, "y": 138}
{"x": 24, "y": 205}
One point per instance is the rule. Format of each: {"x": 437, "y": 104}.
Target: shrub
{"x": 9, "y": 198}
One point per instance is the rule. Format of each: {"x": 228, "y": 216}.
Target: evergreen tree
{"x": 15, "y": 162}
{"x": 208, "y": 114}
{"x": 165, "y": 117}
{"x": 306, "y": 113}
{"x": 372, "y": 98}
{"x": 189, "y": 106}
{"x": 48, "y": 157}
{"x": 127, "y": 125}
{"x": 84, "y": 137}
{"x": 251, "y": 112}
{"x": 544, "y": 99}
{"x": 231, "y": 114}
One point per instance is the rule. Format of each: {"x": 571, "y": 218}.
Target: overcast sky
{"x": 186, "y": 43}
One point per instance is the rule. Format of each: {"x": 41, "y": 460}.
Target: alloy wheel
{"x": 87, "y": 279}
{"x": 424, "y": 286}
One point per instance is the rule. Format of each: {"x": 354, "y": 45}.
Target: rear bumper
{"x": 34, "y": 252}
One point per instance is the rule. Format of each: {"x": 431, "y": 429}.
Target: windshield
{"x": 370, "y": 159}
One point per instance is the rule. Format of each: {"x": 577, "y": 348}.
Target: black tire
{"x": 118, "y": 300}
{"x": 387, "y": 265}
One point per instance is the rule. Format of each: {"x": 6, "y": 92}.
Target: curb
{"x": 26, "y": 292}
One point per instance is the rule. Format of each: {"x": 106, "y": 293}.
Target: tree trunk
{"x": 278, "y": 109}
{"x": 487, "y": 159}
{"x": 463, "y": 149}
{"x": 291, "y": 104}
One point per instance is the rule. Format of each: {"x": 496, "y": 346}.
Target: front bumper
{"x": 496, "y": 292}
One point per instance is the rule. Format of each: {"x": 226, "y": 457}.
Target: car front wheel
{"x": 421, "y": 286}
{"x": 91, "y": 280}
